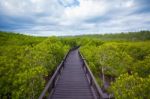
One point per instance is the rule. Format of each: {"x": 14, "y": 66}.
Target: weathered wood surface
{"x": 73, "y": 79}
{"x": 73, "y": 83}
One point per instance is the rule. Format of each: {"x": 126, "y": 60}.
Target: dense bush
{"x": 124, "y": 64}
{"x": 24, "y": 67}
{"x": 131, "y": 87}
{"x": 120, "y": 59}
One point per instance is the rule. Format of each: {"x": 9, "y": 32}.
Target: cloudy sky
{"x": 74, "y": 17}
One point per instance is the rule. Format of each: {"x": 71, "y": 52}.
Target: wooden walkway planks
{"x": 72, "y": 83}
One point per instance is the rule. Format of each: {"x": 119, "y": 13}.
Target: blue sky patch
{"x": 69, "y": 3}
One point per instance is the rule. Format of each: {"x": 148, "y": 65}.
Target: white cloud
{"x": 66, "y": 16}
{"x": 130, "y": 3}
{"x": 86, "y": 9}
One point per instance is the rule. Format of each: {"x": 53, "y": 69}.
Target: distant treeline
{"x": 10, "y": 38}
{"x": 131, "y": 36}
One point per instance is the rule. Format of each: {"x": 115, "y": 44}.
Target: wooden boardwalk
{"x": 73, "y": 80}
{"x": 73, "y": 83}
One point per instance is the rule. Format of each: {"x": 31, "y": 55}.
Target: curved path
{"x": 73, "y": 83}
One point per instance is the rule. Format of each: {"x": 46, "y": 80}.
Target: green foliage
{"x": 130, "y": 36}
{"x": 26, "y": 62}
{"x": 126, "y": 63}
{"x": 114, "y": 60}
{"x": 131, "y": 87}
{"x": 7, "y": 38}
{"x": 24, "y": 66}
{"x": 143, "y": 67}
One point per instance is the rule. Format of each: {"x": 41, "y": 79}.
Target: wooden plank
{"x": 73, "y": 83}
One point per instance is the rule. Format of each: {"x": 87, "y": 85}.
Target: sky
{"x": 74, "y": 17}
